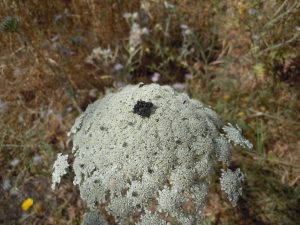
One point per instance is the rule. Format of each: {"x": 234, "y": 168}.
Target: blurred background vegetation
{"x": 241, "y": 57}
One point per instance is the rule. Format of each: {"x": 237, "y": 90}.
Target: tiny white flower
{"x": 135, "y": 36}
{"x": 118, "y": 67}
{"x": 155, "y": 77}
{"x": 188, "y": 76}
{"x": 168, "y": 5}
{"x": 145, "y": 30}
{"x": 188, "y": 32}
{"x": 37, "y": 159}
{"x": 15, "y": 162}
{"x": 158, "y": 26}
{"x": 256, "y": 37}
{"x": 131, "y": 49}
{"x": 179, "y": 86}
{"x": 99, "y": 54}
{"x": 127, "y": 15}
{"x": 184, "y": 26}
{"x": 135, "y": 16}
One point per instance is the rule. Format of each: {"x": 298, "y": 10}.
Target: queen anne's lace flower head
{"x": 148, "y": 150}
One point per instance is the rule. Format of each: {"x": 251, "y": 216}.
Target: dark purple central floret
{"x": 143, "y": 108}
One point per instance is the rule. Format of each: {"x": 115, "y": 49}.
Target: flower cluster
{"x": 135, "y": 36}
{"x": 130, "y": 164}
{"x": 99, "y": 54}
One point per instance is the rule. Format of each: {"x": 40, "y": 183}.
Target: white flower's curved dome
{"x": 128, "y": 159}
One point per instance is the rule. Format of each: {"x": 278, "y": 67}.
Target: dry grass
{"x": 245, "y": 64}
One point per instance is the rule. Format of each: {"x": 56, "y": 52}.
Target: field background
{"x": 240, "y": 57}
